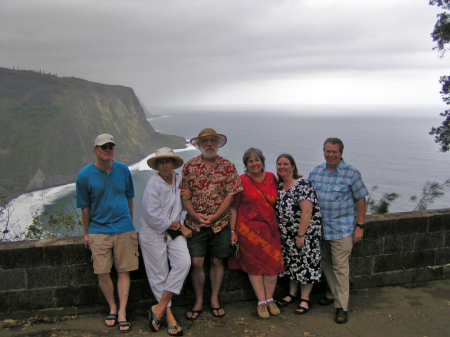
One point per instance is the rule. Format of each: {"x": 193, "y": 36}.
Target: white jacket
{"x": 161, "y": 204}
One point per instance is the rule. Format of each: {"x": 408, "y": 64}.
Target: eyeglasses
{"x": 207, "y": 140}
{"x": 109, "y": 146}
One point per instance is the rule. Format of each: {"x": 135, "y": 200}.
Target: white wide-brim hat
{"x": 221, "y": 139}
{"x": 162, "y": 153}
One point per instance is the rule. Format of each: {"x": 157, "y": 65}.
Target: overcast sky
{"x": 233, "y": 51}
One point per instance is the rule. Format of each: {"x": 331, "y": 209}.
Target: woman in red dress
{"x": 254, "y": 227}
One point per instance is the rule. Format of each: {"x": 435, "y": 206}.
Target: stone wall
{"x": 403, "y": 248}
{"x": 55, "y": 277}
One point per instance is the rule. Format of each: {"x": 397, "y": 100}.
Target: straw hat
{"x": 221, "y": 139}
{"x": 162, "y": 153}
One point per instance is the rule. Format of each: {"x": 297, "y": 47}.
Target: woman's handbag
{"x": 173, "y": 234}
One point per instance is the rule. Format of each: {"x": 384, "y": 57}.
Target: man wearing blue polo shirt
{"x": 105, "y": 195}
{"x": 341, "y": 193}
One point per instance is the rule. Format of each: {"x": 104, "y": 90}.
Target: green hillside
{"x": 48, "y": 126}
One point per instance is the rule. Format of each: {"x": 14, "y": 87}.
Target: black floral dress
{"x": 303, "y": 265}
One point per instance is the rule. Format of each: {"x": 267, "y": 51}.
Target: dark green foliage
{"x": 46, "y": 225}
{"x": 441, "y": 32}
{"x": 57, "y": 224}
{"x": 382, "y": 206}
{"x": 441, "y": 35}
{"x": 10, "y": 231}
{"x": 441, "y": 3}
{"x": 430, "y": 192}
{"x": 442, "y": 133}
{"x": 48, "y": 126}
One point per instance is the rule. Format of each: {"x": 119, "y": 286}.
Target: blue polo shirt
{"x": 106, "y": 194}
{"x": 338, "y": 193}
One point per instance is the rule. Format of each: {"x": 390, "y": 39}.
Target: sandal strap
{"x": 306, "y": 301}
{"x": 292, "y": 297}
{"x": 154, "y": 318}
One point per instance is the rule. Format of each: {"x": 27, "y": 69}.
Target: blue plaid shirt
{"x": 338, "y": 193}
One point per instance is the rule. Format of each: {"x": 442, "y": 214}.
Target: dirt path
{"x": 421, "y": 310}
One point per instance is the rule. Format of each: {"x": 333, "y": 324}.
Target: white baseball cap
{"x": 104, "y": 139}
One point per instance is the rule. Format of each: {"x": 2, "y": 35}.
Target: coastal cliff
{"x": 48, "y": 126}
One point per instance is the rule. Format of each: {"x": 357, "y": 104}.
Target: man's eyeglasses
{"x": 107, "y": 146}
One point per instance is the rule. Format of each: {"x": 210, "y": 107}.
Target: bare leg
{"x": 306, "y": 290}
{"x": 270, "y": 282}
{"x": 161, "y": 308}
{"x": 293, "y": 289}
{"x": 216, "y": 273}
{"x": 171, "y": 321}
{"x": 258, "y": 285}
{"x": 123, "y": 288}
{"x": 107, "y": 288}
{"x": 198, "y": 281}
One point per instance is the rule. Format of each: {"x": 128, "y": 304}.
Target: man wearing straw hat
{"x": 105, "y": 195}
{"x": 209, "y": 183}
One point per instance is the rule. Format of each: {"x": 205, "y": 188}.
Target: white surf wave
{"x": 22, "y": 209}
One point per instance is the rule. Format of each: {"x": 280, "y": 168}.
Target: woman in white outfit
{"x": 162, "y": 237}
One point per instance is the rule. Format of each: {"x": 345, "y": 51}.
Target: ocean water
{"x": 389, "y": 145}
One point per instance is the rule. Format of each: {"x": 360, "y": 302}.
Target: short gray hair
{"x": 253, "y": 152}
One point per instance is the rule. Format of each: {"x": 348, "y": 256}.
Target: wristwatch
{"x": 360, "y": 225}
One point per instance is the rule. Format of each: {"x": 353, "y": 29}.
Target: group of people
{"x": 266, "y": 225}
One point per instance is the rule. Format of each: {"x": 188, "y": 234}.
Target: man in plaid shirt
{"x": 341, "y": 193}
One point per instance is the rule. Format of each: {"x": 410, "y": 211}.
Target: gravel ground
{"x": 416, "y": 310}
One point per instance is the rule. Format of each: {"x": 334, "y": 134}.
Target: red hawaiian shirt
{"x": 209, "y": 189}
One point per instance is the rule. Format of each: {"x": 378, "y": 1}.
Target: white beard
{"x": 209, "y": 155}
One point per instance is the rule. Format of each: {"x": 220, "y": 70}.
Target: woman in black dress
{"x": 300, "y": 224}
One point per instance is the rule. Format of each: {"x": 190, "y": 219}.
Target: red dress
{"x": 257, "y": 229}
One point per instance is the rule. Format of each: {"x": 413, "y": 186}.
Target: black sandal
{"x": 283, "y": 303}
{"x": 124, "y": 324}
{"x": 304, "y": 310}
{"x": 193, "y": 312}
{"x": 111, "y": 318}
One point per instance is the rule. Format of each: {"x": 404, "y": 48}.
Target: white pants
{"x": 157, "y": 255}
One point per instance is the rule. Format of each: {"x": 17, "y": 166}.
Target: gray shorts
{"x": 218, "y": 245}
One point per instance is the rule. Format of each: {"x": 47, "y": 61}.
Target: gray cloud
{"x": 183, "y": 51}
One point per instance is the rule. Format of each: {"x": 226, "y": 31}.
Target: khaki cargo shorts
{"x": 120, "y": 248}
